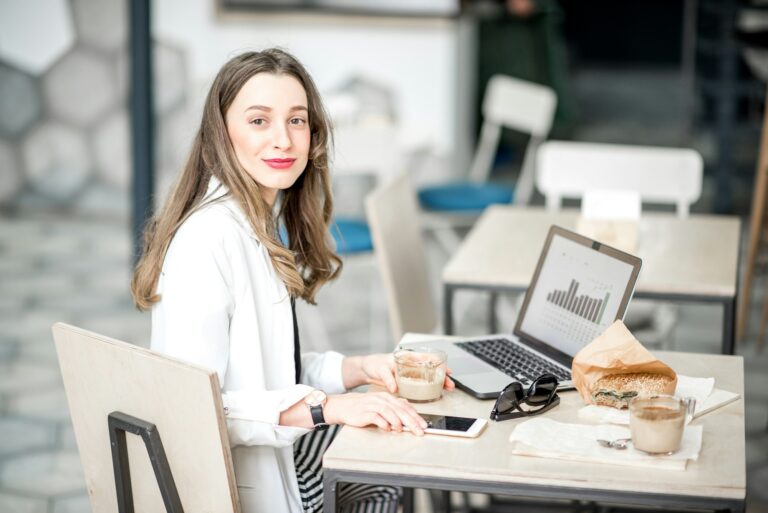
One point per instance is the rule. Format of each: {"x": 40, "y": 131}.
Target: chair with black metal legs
{"x": 150, "y": 429}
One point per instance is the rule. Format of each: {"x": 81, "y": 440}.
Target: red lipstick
{"x": 279, "y": 163}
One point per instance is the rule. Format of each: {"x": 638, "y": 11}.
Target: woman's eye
{"x": 258, "y": 121}
{"x": 298, "y": 121}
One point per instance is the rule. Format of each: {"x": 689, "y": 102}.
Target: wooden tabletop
{"x": 720, "y": 471}
{"x": 695, "y": 256}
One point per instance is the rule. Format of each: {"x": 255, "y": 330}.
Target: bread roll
{"x": 617, "y": 390}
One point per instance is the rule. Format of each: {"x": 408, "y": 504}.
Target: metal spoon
{"x": 620, "y": 443}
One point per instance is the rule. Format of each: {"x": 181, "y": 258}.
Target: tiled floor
{"x": 77, "y": 271}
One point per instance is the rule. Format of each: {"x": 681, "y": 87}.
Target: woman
{"x": 221, "y": 283}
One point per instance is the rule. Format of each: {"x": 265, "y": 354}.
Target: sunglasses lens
{"x": 542, "y": 389}
{"x": 509, "y": 397}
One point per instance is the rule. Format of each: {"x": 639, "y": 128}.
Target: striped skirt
{"x": 351, "y": 498}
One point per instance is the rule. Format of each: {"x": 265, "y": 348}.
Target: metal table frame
{"x": 332, "y": 478}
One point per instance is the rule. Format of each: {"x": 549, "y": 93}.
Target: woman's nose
{"x": 280, "y": 137}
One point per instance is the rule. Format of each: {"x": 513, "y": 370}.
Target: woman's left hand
{"x": 379, "y": 369}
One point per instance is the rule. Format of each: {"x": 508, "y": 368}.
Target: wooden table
{"x": 486, "y": 465}
{"x": 694, "y": 259}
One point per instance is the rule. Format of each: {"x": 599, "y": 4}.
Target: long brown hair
{"x": 309, "y": 260}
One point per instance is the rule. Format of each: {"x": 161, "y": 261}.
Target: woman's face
{"x": 268, "y": 124}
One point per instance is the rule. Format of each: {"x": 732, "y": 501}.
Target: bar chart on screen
{"x": 577, "y": 295}
{"x": 589, "y": 308}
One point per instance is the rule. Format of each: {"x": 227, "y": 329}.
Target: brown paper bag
{"x": 616, "y": 351}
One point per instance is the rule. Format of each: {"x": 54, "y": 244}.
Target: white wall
{"x": 416, "y": 58}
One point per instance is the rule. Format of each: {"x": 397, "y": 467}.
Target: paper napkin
{"x": 546, "y": 438}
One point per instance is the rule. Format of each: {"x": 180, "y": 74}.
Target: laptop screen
{"x": 579, "y": 288}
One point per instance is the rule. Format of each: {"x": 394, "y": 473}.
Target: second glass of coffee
{"x": 657, "y": 422}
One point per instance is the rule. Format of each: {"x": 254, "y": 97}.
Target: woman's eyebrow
{"x": 269, "y": 109}
{"x": 259, "y": 107}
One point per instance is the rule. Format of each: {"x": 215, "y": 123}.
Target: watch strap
{"x": 317, "y": 417}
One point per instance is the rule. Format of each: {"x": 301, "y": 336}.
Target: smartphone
{"x": 453, "y": 426}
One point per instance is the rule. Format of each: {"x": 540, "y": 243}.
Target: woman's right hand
{"x": 381, "y": 409}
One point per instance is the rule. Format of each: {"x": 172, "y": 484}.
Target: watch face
{"x": 316, "y": 397}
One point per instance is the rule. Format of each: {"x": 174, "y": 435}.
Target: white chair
{"x": 567, "y": 170}
{"x": 367, "y": 151}
{"x": 508, "y": 103}
{"x": 520, "y": 105}
{"x": 667, "y": 176}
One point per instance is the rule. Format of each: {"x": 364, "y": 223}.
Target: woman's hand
{"x": 377, "y": 369}
{"x": 381, "y": 409}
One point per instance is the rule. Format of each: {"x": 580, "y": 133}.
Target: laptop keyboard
{"x": 513, "y": 360}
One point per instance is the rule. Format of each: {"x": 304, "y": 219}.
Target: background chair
{"x": 508, "y": 103}
{"x": 365, "y": 153}
{"x": 392, "y": 213}
{"x": 665, "y": 176}
{"x": 566, "y": 170}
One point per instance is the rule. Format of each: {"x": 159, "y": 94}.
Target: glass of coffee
{"x": 657, "y": 422}
{"x": 420, "y": 373}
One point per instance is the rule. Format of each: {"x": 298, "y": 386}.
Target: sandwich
{"x": 617, "y": 390}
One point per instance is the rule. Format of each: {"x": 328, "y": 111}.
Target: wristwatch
{"x": 315, "y": 401}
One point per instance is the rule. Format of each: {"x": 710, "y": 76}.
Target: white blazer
{"x": 223, "y": 307}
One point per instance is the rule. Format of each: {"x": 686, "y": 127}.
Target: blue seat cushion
{"x": 351, "y": 236}
{"x": 464, "y": 196}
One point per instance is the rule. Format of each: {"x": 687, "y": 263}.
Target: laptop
{"x": 579, "y": 288}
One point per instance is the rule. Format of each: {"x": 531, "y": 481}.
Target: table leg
{"x": 729, "y": 314}
{"x": 407, "y": 500}
{"x": 330, "y": 484}
{"x": 448, "y": 309}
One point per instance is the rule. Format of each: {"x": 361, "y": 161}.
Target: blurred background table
{"x": 693, "y": 259}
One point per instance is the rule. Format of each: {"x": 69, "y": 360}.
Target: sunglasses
{"x": 513, "y": 402}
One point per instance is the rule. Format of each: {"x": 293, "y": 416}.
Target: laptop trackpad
{"x": 467, "y": 365}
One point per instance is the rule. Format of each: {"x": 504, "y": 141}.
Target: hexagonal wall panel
{"x": 20, "y": 101}
{"x": 56, "y": 160}
{"x": 101, "y": 23}
{"x": 22, "y": 504}
{"x": 111, "y": 144}
{"x": 80, "y": 87}
{"x": 100, "y": 199}
{"x": 9, "y": 170}
{"x": 34, "y": 33}
{"x": 175, "y": 133}
{"x": 169, "y": 75}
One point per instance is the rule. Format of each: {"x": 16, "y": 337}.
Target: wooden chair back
{"x": 183, "y": 402}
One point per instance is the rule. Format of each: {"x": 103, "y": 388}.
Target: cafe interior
{"x": 588, "y": 177}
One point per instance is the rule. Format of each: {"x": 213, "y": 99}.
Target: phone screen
{"x": 448, "y": 423}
